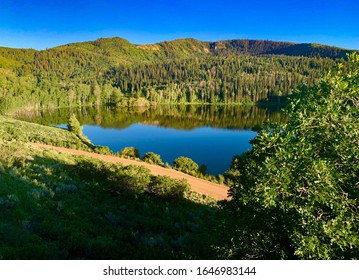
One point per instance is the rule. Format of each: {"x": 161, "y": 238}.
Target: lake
{"x": 210, "y": 135}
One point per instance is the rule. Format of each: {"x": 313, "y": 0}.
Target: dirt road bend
{"x": 214, "y": 190}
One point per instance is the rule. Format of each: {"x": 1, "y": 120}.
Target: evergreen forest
{"x": 112, "y": 71}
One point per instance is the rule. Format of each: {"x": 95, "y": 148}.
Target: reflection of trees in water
{"x": 180, "y": 116}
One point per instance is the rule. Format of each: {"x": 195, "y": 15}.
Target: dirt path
{"x": 198, "y": 185}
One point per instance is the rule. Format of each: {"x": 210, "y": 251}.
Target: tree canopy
{"x": 298, "y": 189}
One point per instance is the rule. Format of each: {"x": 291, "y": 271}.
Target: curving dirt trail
{"x": 214, "y": 190}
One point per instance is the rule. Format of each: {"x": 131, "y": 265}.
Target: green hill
{"x": 115, "y": 51}
{"x": 109, "y": 52}
{"x": 113, "y": 71}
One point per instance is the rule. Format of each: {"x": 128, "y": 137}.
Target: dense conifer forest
{"x": 115, "y": 72}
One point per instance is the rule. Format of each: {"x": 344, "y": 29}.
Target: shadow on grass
{"x": 77, "y": 211}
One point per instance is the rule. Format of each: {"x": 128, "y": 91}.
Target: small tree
{"x": 96, "y": 91}
{"x": 74, "y": 126}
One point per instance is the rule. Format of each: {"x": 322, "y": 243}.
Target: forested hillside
{"x": 114, "y": 71}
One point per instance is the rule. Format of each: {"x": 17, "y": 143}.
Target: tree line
{"x": 208, "y": 79}
{"x": 53, "y": 81}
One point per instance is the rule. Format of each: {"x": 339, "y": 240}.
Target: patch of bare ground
{"x": 198, "y": 185}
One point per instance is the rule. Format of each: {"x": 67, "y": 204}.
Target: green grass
{"x": 60, "y": 206}
{"x": 15, "y": 130}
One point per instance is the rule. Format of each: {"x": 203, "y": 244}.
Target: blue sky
{"x": 44, "y": 24}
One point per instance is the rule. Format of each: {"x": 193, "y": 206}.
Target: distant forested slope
{"x": 114, "y": 71}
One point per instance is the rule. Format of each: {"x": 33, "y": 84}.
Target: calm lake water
{"x": 210, "y": 135}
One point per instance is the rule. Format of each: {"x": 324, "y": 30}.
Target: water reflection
{"x": 210, "y": 135}
{"x": 178, "y": 117}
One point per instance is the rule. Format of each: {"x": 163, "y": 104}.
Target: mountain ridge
{"x": 192, "y": 46}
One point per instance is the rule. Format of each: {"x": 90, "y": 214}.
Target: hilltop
{"x": 118, "y": 50}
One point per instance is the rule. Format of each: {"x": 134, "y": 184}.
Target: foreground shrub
{"x": 168, "y": 187}
{"x": 129, "y": 152}
{"x": 297, "y": 192}
{"x": 186, "y": 165}
{"x": 103, "y": 150}
{"x": 153, "y": 158}
{"x": 134, "y": 178}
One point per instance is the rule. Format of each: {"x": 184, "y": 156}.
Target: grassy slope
{"x": 58, "y": 206}
{"x": 14, "y": 130}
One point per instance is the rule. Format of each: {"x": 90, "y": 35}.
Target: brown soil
{"x": 214, "y": 190}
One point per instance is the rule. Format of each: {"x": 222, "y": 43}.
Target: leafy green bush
{"x": 129, "y": 152}
{"x": 186, "y": 165}
{"x": 168, "y": 187}
{"x": 103, "y": 150}
{"x": 297, "y": 192}
{"x": 153, "y": 158}
{"x": 134, "y": 178}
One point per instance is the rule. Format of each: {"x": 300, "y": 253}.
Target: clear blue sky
{"x": 44, "y": 24}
